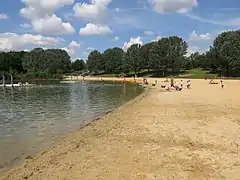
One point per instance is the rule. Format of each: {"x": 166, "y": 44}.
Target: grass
{"x": 197, "y": 74}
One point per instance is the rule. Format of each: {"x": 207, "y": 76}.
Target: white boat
{"x": 14, "y": 85}
{"x": 17, "y": 85}
{"x": 68, "y": 82}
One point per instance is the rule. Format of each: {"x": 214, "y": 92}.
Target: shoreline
{"x": 193, "y": 134}
{"x": 17, "y": 162}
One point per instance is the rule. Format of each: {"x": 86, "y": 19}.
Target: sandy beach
{"x": 192, "y": 134}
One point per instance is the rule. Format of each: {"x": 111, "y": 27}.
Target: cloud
{"x": 25, "y": 25}
{"x": 116, "y": 38}
{"x": 168, "y": 6}
{"x": 52, "y": 25}
{"x": 72, "y": 49}
{"x": 3, "y": 16}
{"x": 157, "y": 38}
{"x": 93, "y": 29}
{"x": 192, "y": 49}
{"x": 201, "y": 37}
{"x": 43, "y": 19}
{"x": 13, "y": 41}
{"x": 132, "y": 41}
{"x": 96, "y": 11}
{"x": 148, "y": 33}
{"x": 40, "y": 8}
{"x": 230, "y": 22}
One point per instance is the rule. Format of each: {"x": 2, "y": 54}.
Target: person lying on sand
{"x": 166, "y": 80}
{"x": 212, "y": 82}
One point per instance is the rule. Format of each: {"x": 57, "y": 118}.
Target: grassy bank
{"x": 190, "y": 74}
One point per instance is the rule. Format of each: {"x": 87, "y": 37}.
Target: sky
{"x": 79, "y": 26}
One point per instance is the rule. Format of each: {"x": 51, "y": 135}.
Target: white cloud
{"x": 157, "y": 38}
{"x": 167, "y": 6}
{"x": 13, "y": 41}
{"x": 52, "y": 25}
{"x": 192, "y": 49}
{"x": 93, "y": 29}
{"x": 40, "y": 8}
{"x": 148, "y": 33}
{"x": 230, "y": 22}
{"x": 96, "y": 11}
{"x": 116, "y": 38}
{"x": 201, "y": 37}
{"x": 72, "y": 48}
{"x": 132, "y": 41}
{"x": 3, "y": 16}
{"x": 26, "y": 25}
{"x": 41, "y": 14}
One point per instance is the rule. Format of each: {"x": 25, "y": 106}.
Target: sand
{"x": 193, "y": 134}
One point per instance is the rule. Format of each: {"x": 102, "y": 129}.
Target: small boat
{"x": 17, "y": 85}
{"x": 68, "y": 82}
{"x": 14, "y": 85}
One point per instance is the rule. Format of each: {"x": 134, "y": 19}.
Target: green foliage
{"x": 79, "y": 65}
{"x": 95, "y": 61}
{"x": 132, "y": 60}
{"x": 167, "y": 56}
{"x": 226, "y": 52}
{"x": 50, "y": 61}
{"x": 112, "y": 60}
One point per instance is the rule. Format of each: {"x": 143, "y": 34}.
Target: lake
{"x": 32, "y": 118}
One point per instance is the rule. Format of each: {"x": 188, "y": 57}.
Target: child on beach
{"x": 181, "y": 84}
{"x": 188, "y": 84}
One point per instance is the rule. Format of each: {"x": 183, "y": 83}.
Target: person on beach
{"x": 181, "y": 84}
{"x": 166, "y": 80}
{"x": 188, "y": 84}
{"x": 222, "y": 85}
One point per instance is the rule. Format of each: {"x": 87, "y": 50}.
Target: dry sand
{"x": 193, "y": 134}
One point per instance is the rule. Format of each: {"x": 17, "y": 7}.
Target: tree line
{"x": 38, "y": 63}
{"x": 167, "y": 56}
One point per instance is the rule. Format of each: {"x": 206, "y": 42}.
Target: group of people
{"x": 175, "y": 86}
{"x": 213, "y": 82}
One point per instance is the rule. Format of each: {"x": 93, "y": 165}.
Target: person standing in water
{"x": 172, "y": 82}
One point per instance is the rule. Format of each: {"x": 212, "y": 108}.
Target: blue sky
{"x": 79, "y": 26}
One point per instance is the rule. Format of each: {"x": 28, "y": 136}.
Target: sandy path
{"x": 160, "y": 135}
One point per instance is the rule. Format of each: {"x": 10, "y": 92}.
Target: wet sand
{"x": 193, "y": 134}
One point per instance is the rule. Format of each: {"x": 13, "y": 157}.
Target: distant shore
{"x": 193, "y": 134}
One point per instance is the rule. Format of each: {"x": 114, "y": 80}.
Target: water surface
{"x": 31, "y": 118}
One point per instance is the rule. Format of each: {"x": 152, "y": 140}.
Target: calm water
{"x": 32, "y": 118}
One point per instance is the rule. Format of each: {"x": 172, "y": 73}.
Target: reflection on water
{"x": 32, "y": 117}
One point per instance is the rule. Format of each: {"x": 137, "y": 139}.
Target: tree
{"x": 226, "y": 51}
{"x": 49, "y": 60}
{"x": 145, "y": 55}
{"x": 113, "y": 60}
{"x": 95, "y": 61}
{"x": 79, "y": 65}
{"x": 132, "y": 58}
